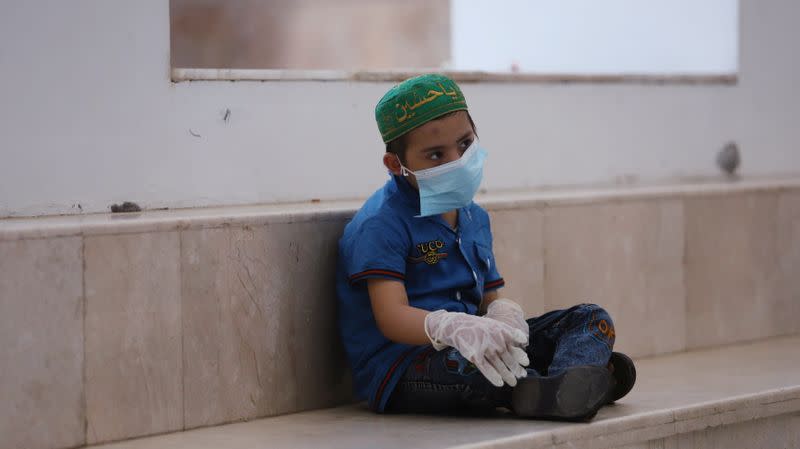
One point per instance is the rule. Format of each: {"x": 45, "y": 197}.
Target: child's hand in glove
{"x": 493, "y": 347}
{"x": 507, "y": 311}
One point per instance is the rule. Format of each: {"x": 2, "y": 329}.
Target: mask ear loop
{"x": 403, "y": 170}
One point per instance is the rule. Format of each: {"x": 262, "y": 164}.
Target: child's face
{"x": 435, "y": 143}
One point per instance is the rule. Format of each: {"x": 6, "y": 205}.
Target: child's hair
{"x": 398, "y": 145}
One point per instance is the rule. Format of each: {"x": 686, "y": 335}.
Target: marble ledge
{"x": 215, "y": 217}
{"x": 344, "y": 427}
{"x": 172, "y": 220}
{"x": 512, "y": 199}
{"x": 676, "y": 394}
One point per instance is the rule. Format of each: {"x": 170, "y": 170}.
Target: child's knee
{"x": 599, "y": 323}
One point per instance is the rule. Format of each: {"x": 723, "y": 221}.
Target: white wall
{"x": 90, "y": 117}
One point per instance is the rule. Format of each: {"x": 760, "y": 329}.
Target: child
{"x": 422, "y": 322}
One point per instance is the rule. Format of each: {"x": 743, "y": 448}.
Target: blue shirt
{"x": 441, "y": 268}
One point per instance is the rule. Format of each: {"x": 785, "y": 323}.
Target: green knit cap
{"x": 417, "y": 101}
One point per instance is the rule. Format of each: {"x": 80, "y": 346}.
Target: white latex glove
{"x": 509, "y": 312}
{"x": 493, "y": 347}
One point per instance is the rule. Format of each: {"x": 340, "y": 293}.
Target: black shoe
{"x": 624, "y": 373}
{"x": 574, "y": 395}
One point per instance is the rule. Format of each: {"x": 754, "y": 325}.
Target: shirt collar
{"x": 407, "y": 194}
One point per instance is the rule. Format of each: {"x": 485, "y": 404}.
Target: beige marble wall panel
{"x": 781, "y": 431}
{"x": 519, "y": 253}
{"x": 260, "y": 321}
{"x": 322, "y": 374}
{"x": 626, "y": 257}
{"x": 733, "y": 274}
{"x": 774, "y": 432}
{"x": 41, "y": 343}
{"x": 786, "y": 313}
{"x": 133, "y": 335}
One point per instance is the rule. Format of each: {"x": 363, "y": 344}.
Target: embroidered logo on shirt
{"x": 429, "y": 252}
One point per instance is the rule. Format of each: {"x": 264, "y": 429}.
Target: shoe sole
{"x": 624, "y": 374}
{"x": 575, "y": 394}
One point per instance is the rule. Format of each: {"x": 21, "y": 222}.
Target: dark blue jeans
{"x": 445, "y": 382}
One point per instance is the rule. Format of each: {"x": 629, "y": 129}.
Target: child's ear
{"x": 392, "y": 163}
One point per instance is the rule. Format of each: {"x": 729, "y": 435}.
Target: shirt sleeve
{"x": 379, "y": 250}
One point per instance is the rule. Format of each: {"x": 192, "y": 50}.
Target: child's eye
{"x": 464, "y": 145}
{"x": 435, "y": 156}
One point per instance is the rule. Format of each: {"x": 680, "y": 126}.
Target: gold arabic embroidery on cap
{"x": 415, "y": 102}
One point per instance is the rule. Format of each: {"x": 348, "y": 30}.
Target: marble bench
{"x": 736, "y": 397}
{"x": 118, "y": 326}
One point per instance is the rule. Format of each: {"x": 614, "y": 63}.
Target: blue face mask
{"x": 449, "y": 186}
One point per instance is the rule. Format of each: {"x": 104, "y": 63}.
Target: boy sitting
{"x": 422, "y": 322}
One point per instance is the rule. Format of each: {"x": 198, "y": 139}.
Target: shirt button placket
{"x": 474, "y": 274}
